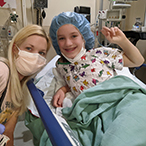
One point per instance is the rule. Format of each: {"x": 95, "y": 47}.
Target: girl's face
{"x": 70, "y": 40}
{"x": 34, "y": 44}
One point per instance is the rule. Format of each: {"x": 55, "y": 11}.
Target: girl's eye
{"x": 74, "y": 36}
{"x": 60, "y": 38}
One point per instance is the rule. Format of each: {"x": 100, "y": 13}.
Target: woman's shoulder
{"x": 4, "y": 63}
{"x": 4, "y": 70}
{"x": 4, "y": 75}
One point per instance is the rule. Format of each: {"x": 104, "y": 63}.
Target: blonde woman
{"x": 26, "y": 56}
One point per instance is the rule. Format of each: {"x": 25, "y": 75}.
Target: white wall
{"x": 57, "y": 6}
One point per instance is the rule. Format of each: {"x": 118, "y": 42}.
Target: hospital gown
{"x": 95, "y": 66}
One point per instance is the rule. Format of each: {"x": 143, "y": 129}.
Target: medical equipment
{"x": 8, "y": 30}
{"x": 110, "y": 15}
{"x": 120, "y": 5}
{"x": 85, "y": 11}
{"x": 113, "y": 16}
{"x": 143, "y": 28}
{"x": 114, "y": 13}
{"x": 138, "y": 24}
{"x": 39, "y": 5}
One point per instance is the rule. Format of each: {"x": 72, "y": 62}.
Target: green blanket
{"x": 110, "y": 114}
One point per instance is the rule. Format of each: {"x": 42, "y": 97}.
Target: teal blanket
{"x": 113, "y": 113}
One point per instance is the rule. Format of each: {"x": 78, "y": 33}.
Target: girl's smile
{"x": 70, "y": 49}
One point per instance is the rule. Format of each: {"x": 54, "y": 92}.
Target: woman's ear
{"x": 15, "y": 50}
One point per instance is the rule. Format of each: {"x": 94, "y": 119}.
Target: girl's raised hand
{"x": 113, "y": 34}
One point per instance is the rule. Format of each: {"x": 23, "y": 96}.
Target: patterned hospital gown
{"x": 95, "y": 66}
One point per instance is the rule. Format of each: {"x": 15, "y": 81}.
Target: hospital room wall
{"x": 57, "y": 6}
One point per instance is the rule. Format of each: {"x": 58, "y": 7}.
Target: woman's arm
{"x": 10, "y": 127}
{"x": 132, "y": 56}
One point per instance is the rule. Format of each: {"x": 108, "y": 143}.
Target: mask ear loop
{"x": 14, "y": 51}
{"x": 17, "y": 47}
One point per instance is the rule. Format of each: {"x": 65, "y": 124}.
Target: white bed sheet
{"x": 45, "y": 81}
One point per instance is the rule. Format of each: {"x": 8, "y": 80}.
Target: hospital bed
{"x": 50, "y": 116}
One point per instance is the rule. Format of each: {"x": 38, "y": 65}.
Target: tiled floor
{"x": 22, "y": 135}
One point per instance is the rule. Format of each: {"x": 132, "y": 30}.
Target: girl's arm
{"x": 132, "y": 56}
{"x": 59, "y": 96}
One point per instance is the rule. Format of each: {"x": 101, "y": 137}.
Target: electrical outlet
{"x": 6, "y": 32}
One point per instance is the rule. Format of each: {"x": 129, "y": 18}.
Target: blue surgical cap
{"x": 76, "y": 19}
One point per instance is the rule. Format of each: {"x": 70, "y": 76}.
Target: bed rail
{"x": 54, "y": 130}
{"x": 137, "y": 68}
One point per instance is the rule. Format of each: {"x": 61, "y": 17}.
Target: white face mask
{"x": 29, "y": 63}
{"x": 79, "y": 55}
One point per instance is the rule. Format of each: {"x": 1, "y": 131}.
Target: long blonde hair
{"x": 18, "y": 90}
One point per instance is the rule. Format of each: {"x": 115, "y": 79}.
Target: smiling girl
{"x": 82, "y": 66}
